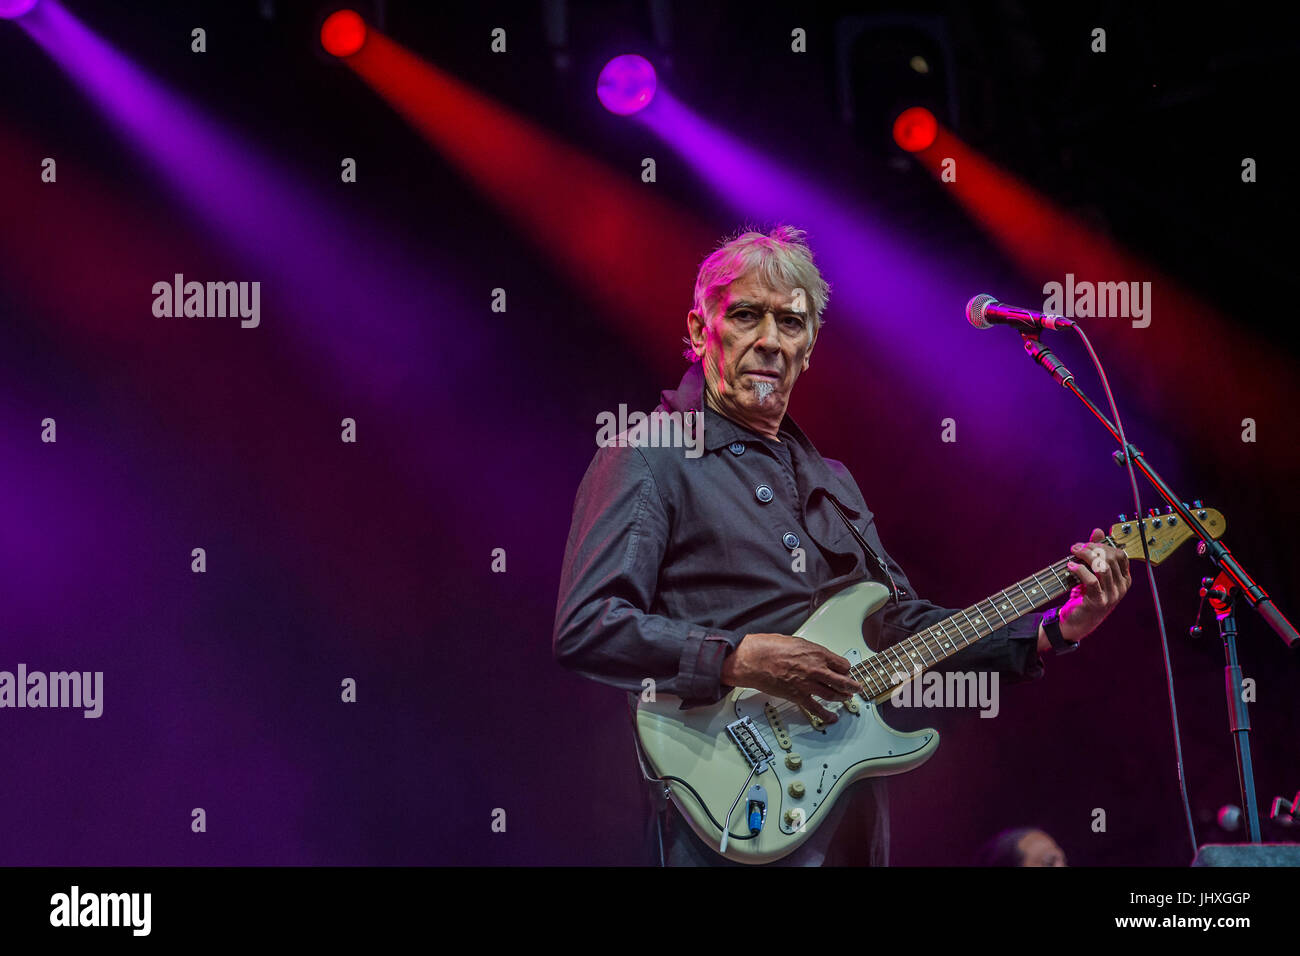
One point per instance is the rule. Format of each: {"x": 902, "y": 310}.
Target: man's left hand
{"x": 1103, "y": 575}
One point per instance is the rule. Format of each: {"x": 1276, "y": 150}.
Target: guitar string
{"x": 877, "y": 682}
{"x": 874, "y": 682}
{"x": 936, "y": 640}
{"x": 941, "y": 646}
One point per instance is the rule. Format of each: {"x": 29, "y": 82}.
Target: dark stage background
{"x": 373, "y": 560}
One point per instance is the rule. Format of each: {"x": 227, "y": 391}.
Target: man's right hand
{"x": 790, "y": 668}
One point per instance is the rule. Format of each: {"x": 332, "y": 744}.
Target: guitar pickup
{"x": 751, "y": 743}
{"x": 777, "y": 725}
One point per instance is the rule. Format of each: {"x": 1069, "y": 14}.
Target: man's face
{"x": 1039, "y": 849}
{"x": 754, "y": 347}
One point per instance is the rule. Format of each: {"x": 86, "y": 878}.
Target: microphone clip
{"x": 1045, "y": 357}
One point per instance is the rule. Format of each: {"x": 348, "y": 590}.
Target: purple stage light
{"x": 626, "y": 84}
{"x": 12, "y": 9}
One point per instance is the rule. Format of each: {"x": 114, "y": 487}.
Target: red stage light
{"x": 915, "y": 129}
{"x": 343, "y": 33}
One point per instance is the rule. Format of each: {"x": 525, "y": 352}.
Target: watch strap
{"x": 1052, "y": 628}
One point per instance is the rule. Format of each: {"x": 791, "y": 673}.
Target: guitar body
{"x": 695, "y": 745}
{"x": 800, "y": 769}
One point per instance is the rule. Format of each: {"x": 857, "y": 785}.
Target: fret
{"x": 1011, "y": 601}
{"x": 918, "y": 648}
{"x": 889, "y": 665}
{"x": 961, "y": 633}
{"x": 892, "y": 652}
{"x": 923, "y": 639}
{"x": 940, "y": 639}
{"x": 905, "y": 658}
{"x": 944, "y": 631}
{"x": 876, "y": 665}
{"x": 860, "y": 674}
{"x": 989, "y": 602}
{"x": 973, "y": 627}
{"x": 1038, "y": 586}
{"x": 1065, "y": 584}
{"x": 1028, "y": 599}
{"x": 909, "y": 666}
{"x": 933, "y": 642}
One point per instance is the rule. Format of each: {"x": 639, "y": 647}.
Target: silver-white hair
{"x": 781, "y": 257}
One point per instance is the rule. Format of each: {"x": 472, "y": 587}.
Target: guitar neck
{"x": 900, "y": 662}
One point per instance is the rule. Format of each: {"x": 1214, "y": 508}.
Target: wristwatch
{"x": 1052, "y": 628}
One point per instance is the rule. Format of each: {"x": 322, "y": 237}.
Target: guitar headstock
{"x": 1164, "y": 532}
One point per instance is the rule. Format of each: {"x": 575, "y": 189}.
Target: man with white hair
{"x": 686, "y": 569}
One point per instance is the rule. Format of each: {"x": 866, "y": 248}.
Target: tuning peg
{"x": 1196, "y": 502}
{"x": 1195, "y": 630}
{"x": 1151, "y": 512}
{"x": 1169, "y": 509}
{"x": 1122, "y": 517}
{"x": 1185, "y": 506}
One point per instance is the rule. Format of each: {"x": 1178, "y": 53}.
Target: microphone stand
{"x": 1223, "y": 596}
{"x": 1233, "y": 580}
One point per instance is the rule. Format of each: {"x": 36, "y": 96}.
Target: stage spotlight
{"x": 12, "y": 9}
{"x": 343, "y": 33}
{"x": 915, "y": 129}
{"x": 626, "y": 84}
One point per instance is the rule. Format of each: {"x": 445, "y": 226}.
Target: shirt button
{"x": 763, "y": 493}
{"x": 791, "y": 540}
{"x": 737, "y": 448}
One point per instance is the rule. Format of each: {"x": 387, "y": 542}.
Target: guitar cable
{"x": 726, "y": 824}
{"x": 1151, "y": 577}
{"x": 640, "y": 759}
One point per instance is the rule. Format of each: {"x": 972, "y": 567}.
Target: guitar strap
{"x": 882, "y": 570}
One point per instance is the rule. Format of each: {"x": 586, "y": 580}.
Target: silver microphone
{"x": 984, "y": 311}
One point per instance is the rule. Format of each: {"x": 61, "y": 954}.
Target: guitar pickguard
{"x": 827, "y": 754}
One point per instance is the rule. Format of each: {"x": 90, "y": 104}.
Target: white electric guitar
{"x": 766, "y": 771}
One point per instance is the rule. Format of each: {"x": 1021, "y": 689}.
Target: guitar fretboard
{"x": 899, "y": 663}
